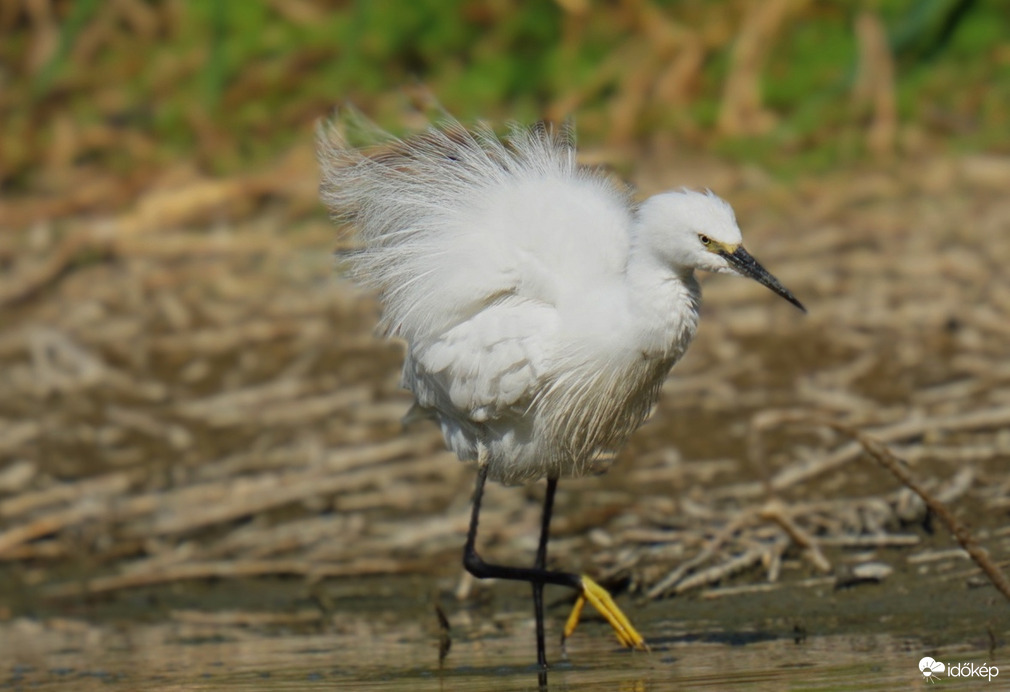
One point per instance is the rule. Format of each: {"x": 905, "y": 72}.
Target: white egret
{"x": 542, "y": 308}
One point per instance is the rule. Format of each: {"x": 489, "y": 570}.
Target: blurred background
{"x": 189, "y": 393}
{"x": 123, "y": 90}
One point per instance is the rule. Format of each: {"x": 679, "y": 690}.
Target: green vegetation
{"x": 131, "y": 86}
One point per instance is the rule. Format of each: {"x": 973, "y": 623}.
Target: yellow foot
{"x": 601, "y": 600}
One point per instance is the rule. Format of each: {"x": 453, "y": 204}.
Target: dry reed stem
{"x": 676, "y": 576}
{"x": 753, "y": 555}
{"x": 877, "y": 449}
{"x": 898, "y": 468}
{"x": 875, "y": 83}
{"x": 903, "y": 430}
{"x": 231, "y": 618}
{"x": 741, "y": 112}
{"x": 775, "y": 510}
{"x": 229, "y": 570}
{"x": 26, "y": 502}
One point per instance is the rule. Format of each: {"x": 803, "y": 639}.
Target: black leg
{"x": 476, "y": 566}
{"x": 541, "y": 564}
{"x": 537, "y": 575}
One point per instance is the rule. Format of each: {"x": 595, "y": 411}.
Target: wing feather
{"x": 488, "y": 365}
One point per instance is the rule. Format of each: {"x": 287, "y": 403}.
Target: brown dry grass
{"x": 189, "y": 393}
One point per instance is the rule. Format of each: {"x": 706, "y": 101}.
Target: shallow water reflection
{"x": 382, "y": 654}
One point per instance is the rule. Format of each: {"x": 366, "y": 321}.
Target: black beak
{"x": 746, "y": 265}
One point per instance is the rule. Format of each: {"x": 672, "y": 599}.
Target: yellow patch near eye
{"x": 715, "y": 246}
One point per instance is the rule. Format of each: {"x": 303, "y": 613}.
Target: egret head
{"x": 695, "y": 230}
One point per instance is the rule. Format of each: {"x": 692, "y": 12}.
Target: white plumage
{"x": 541, "y": 308}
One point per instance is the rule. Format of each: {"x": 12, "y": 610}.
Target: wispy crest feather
{"x": 408, "y": 199}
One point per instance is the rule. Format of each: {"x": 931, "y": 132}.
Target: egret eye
{"x": 705, "y": 240}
